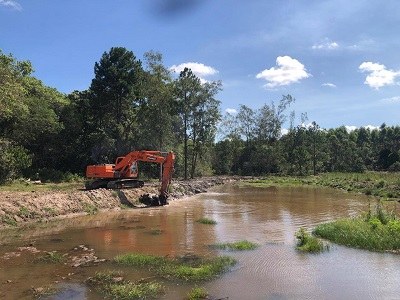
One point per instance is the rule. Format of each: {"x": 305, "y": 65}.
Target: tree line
{"x": 134, "y": 104}
{"x": 254, "y": 145}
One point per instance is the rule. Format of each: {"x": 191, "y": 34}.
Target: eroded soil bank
{"x": 21, "y": 207}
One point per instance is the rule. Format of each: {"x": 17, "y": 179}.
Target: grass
{"x": 90, "y": 209}
{"x": 51, "y": 257}
{"x": 140, "y": 260}
{"x": 308, "y": 243}
{"x": 197, "y": 293}
{"x": 113, "y": 285}
{"x": 25, "y": 186}
{"x": 377, "y": 231}
{"x": 196, "y": 269}
{"x": 206, "y": 221}
{"x": 237, "y": 246}
{"x": 9, "y": 220}
{"x": 132, "y": 290}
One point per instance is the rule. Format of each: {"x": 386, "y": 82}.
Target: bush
{"x": 308, "y": 243}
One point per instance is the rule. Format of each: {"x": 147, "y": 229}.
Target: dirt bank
{"x": 21, "y": 207}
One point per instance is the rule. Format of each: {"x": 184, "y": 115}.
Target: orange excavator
{"x": 124, "y": 173}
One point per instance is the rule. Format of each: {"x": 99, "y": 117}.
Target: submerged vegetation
{"x": 206, "y": 221}
{"x": 197, "y": 293}
{"x": 375, "y": 231}
{"x": 308, "y": 243}
{"x": 115, "y": 287}
{"x": 237, "y": 246}
{"x": 188, "y": 269}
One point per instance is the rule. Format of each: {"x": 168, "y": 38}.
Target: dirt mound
{"x": 21, "y": 207}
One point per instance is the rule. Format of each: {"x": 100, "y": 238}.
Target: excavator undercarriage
{"x": 113, "y": 184}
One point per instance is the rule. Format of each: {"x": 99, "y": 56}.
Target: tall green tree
{"x": 187, "y": 89}
{"x": 205, "y": 116}
{"x": 158, "y": 109}
{"x": 115, "y": 94}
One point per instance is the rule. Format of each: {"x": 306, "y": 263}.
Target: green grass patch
{"x": 197, "y": 293}
{"x": 140, "y": 260}
{"x": 369, "y": 234}
{"x": 130, "y": 290}
{"x": 90, "y": 209}
{"x": 206, "y": 221}
{"x": 237, "y": 246}
{"x": 25, "y": 186}
{"x": 375, "y": 230}
{"x": 114, "y": 286}
{"x": 9, "y": 220}
{"x": 51, "y": 257}
{"x": 193, "y": 269}
{"x": 308, "y": 243}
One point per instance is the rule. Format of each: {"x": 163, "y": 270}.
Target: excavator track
{"x": 114, "y": 184}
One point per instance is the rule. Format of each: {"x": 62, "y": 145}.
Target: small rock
{"x": 9, "y": 281}
{"x": 38, "y": 290}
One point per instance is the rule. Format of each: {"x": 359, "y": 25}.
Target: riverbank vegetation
{"x": 184, "y": 268}
{"x": 308, "y": 243}
{"x": 379, "y": 184}
{"x": 114, "y": 286}
{"x": 375, "y": 231}
{"x": 134, "y": 104}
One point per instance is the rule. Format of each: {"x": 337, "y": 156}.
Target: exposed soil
{"x": 21, "y": 207}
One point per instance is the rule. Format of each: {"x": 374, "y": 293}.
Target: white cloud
{"x": 289, "y": 70}
{"x": 352, "y": 128}
{"x": 199, "y": 69}
{"x": 11, "y": 4}
{"x": 284, "y": 131}
{"x": 328, "y": 84}
{"x": 371, "y": 127}
{"x": 326, "y": 45}
{"x": 379, "y": 76}
{"x": 231, "y": 111}
{"x": 395, "y": 99}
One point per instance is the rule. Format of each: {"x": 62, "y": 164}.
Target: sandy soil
{"x": 22, "y": 207}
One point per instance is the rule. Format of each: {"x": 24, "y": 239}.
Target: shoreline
{"x": 18, "y": 208}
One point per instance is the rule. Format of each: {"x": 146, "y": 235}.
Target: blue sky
{"x": 339, "y": 59}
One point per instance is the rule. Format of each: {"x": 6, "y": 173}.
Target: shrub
{"x": 307, "y": 242}
{"x": 375, "y": 223}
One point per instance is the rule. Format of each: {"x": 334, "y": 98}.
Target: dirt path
{"x": 22, "y": 207}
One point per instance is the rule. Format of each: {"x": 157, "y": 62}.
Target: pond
{"x": 267, "y": 216}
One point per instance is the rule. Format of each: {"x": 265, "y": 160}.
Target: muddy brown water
{"x": 268, "y": 216}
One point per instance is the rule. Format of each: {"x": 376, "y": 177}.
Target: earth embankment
{"x": 22, "y": 207}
